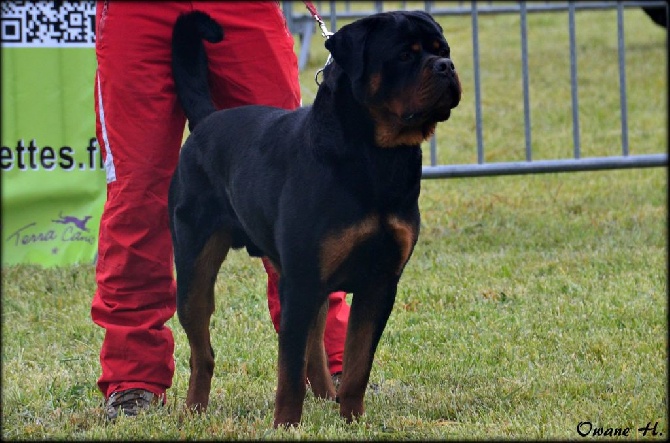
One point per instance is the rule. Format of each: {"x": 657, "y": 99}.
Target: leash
{"x": 324, "y": 33}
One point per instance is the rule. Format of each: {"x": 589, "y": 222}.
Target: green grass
{"x": 531, "y": 304}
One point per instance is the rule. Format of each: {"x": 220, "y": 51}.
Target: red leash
{"x": 312, "y": 10}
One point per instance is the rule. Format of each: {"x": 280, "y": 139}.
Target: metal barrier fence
{"x": 300, "y": 22}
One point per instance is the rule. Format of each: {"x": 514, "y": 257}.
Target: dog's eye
{"x": 443, "y": 53}
{"x": 404, "y": 56}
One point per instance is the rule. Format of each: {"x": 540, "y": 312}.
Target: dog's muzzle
{"x": 443, "y": 92}
{"x": 444, "y": 66}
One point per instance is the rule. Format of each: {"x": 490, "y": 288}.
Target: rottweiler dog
{"x": 329, "y": 193}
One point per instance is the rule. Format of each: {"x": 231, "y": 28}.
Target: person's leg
{"x": 336, "y": 330}
{"x": 139, "y": 128}
{"x": 256, "y": 64}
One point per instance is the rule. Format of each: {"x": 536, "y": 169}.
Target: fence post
{"x": 478, "y": 98}
{"x": 573, "y": 82}
{"x": 524, "y": 73}
{"x": 622, "y": 80}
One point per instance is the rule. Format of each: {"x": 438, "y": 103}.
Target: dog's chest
{"x": 379, "y": 244}
{"x": 387, "y": 180}
{"x": 379, "y": 241}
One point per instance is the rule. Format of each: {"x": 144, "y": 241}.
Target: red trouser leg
{"x": 139, "y": 128}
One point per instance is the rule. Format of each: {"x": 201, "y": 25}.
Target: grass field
{"x": 532, "y": 303}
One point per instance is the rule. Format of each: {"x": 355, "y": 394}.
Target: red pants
{"x": 139, "y": 128}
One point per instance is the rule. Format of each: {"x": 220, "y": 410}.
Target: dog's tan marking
{"x": 318, "y": 374}
{"x": 405, "y": 235}
{"x": 390, "y": 135}
{"x": 337, "y": 246}
{"x": 288, "y": 399}
{"x": 436, "y": 44}
{"x": 416, "y": 47}
{"x": 390, "y": 130}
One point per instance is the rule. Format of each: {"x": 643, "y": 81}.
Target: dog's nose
{"x": 443, "y": 66}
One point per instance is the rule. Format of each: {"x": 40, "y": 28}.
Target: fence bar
{"x": 487, "y": 8}
{"x": 433, "y": 150}
{"x": 553, "y": 6}
{"x": 524, "y": 72}
{"x": 622, "y": 80}
{"x": 478, "y": 98}
{"x": 428, "y": 7}
{"x": 300, "y": 23}
{"x": 573, "y": 82}
{"x": 545, "y": 166}
{"x": 333, "y": 17}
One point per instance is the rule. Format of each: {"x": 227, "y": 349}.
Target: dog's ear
{"x": 422, "y": 15}
{"x": 347, "y": 46}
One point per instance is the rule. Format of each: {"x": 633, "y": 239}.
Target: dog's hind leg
{"x": 370, "y": 310}
{"x": 195, "y": 311}
{"x": 317, "y": 361}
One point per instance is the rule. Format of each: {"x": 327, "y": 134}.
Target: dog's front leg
{"x": 299, "y": 310}
{"x": 370, "y": 310}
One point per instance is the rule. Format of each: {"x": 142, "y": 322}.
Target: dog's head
{"x": 399, "y": 68}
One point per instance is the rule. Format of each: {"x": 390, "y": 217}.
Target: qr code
{"x": 48, "y": 23}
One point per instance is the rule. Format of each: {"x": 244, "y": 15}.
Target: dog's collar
{"x": 329, "y": 60}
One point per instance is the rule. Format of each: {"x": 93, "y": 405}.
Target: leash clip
{"x": 325, "y": 33}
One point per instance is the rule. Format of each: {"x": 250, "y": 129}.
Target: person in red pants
{"x": 139, "y": 125}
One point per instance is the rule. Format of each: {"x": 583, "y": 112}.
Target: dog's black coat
{"x": 328, "y": 193}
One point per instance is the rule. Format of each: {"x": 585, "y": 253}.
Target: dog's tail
{"x": 189, "y": 63}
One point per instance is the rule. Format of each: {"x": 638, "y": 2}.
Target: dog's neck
{"x": 390, "y": 135}
{"x": 332, "y": 109}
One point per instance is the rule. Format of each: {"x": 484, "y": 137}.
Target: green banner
{"x": 53, "y": 183}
